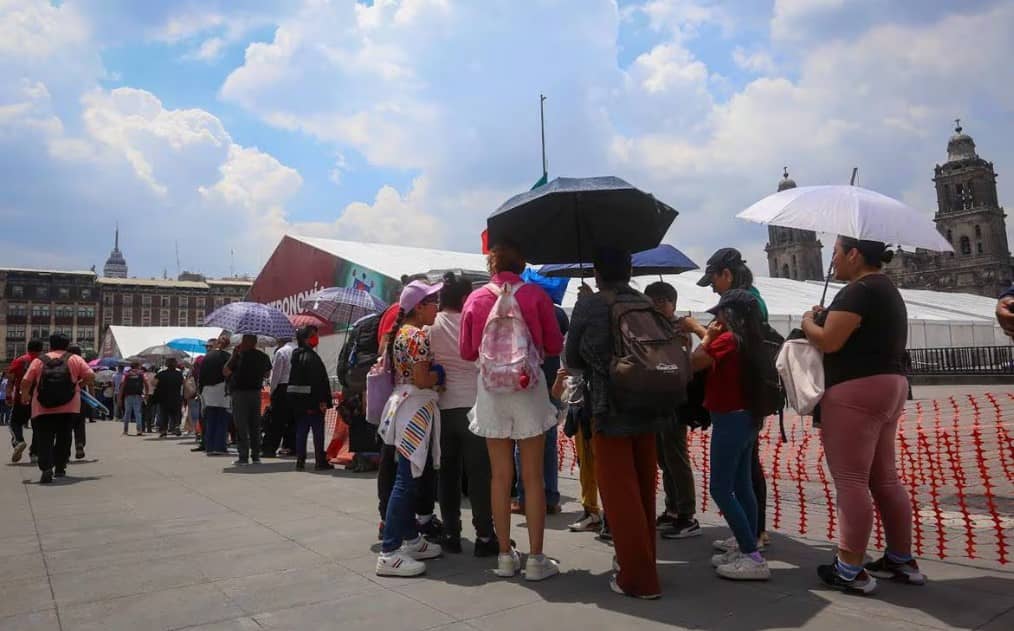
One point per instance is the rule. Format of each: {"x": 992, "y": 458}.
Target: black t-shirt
{"x": 877, "y": 347}
{"x": 169, "y": 389}
{"x": 211, "y": 368}
{"x": 249, "y": 367}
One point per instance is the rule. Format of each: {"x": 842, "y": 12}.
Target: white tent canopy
{"x": 125, "y": 341}
{"x": 936, "y": 319}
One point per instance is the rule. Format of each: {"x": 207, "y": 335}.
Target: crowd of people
{"x": 465, "y": 384}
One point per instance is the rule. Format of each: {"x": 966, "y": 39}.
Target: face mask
{"x": 313, "y": 341}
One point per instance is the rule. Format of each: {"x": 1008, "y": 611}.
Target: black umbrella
{"x": 567, "y": 219}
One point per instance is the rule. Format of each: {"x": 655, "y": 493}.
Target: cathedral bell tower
{"x": 792, "y": 253}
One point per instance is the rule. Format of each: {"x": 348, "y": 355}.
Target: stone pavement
{"x": 146, "y": 535}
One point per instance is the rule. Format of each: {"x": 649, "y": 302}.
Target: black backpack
{"x": 358, "y": 355}
{"x": 56, "y": 386}
{"x": 133, "y": 383}
{"x": 769, "y": 397}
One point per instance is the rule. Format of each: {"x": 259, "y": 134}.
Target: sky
{"x": 214, "y": 127}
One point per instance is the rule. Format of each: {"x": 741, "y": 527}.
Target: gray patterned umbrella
{"x": 252, "y": 318}
{"x": 342, "y": 305}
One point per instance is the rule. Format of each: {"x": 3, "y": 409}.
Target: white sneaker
{"x": 399, "y": 564}
{"x": 613, "y": 585}
{"x": 745, "y": 569}
{"x": 507, "y": 565}
{"x": 725, "y": 558}
{"x": 589, "y": 522}
{"x": 724, "y": 545}
{"x": 540, "y": 570}
{"x": 420, "y": 549}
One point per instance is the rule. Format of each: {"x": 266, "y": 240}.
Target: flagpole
{"x": 542, "y": 123}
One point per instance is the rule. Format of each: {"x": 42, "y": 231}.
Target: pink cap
{"x": 415, "y": 292}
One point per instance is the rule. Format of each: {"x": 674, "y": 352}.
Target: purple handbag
{"x": 379, "y": 386}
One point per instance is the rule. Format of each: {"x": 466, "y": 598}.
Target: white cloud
{"x": 758, "y": 62}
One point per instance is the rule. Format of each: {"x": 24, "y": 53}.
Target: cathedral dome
{"x": 786, "y": 182}
{"x": 960, "y": 146}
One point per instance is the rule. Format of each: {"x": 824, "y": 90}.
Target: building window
{"x": 199, "y": 317}
{"x": 199, "y": 302}
{"x": 127, "y": 301}
{"x": 17, "y": 291}
{"x": 65, "y": 311}
{"x": 165, "y": 302}
{"x": 86, "y": 294}
{"x": 86, "y": 312}
{"x": 86, "y": 333}
{"x": 182, "y": 302}
{"x": 16, "y": 333}
{"x": 219, "y": 301}
{"x": 127, "y": 317}
{"x": 40, "y": 332}
{"x": 107, "y": 300}
{"x": 182, "y": 318}
{"x": 785, "y": 271}
{"x": 63, "y": 293}
{"x": 146, "y": 300}
{"x": 40, "y": 311}
{"x": 978, "y": 247}
{"x": 978, "y": 232}
{"x": 163, "y": 317}
{"x": 17, "y": 309}
{"x": 42, "y": 292}
{"x": 107, "y": 317}
{"x": 16, "y": 350}
{"x": 966, "y": 245}
{"x": 145, "y": 317}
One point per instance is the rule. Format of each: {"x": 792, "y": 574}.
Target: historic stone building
{"x": 970, "y": 217}
{"x": 792, "y": 253}
{"x": 35, "y": 303}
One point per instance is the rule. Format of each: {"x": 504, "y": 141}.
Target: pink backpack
{"x": 508, "y": 358}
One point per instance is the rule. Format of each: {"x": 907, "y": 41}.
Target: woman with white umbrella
{"x": 863, "y": 334}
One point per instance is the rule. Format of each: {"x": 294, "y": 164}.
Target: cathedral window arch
{"x": 978, "y": 247}
{"x": 785, "y": 271}
{"x": 950, "y": 237}
{"x": 966, "y": 246}
{"x": 978, "y": 231}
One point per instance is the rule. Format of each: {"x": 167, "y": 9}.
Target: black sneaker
{"x": 300, "y": 464}
{"x": 79, "y": 453}
{"x": 907, "y": 572}
{"x": 47, "y": 477}
{"x": 489, "y": 548}
{"x": 862, "y": 584}
{"x": 605, "y": 534}
{"x": 683, "y": 528}
{"x": 664, "y": 521}
{"x": 60, "y": 473}
{"x": 432, "y": 529}
{"x": 451, "y": 543}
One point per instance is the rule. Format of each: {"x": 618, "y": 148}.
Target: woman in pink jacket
{"x": 522, "y": 416}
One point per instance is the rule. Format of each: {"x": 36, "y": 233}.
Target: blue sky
{"x": 223, "y": 125}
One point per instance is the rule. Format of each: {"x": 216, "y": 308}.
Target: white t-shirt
{"x": 462, "y": 376}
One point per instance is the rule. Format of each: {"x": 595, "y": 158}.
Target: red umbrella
{"x": 308, "y": 319}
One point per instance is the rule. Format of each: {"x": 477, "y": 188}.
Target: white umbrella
{"x": 849, "y": 211}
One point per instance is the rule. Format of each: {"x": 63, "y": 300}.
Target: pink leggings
{"x": 858, "y": 427}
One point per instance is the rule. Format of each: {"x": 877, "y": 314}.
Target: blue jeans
{"x": 132, "y": 408}
{"x": 399, "y": 522}
{"x": 550, "y": 475}
{"x": 216, "y": 428}
{"x": 732, "y": 437}
{"x": 304, "y": 423}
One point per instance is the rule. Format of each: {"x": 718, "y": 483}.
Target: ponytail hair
{"x": 389, "y": 340}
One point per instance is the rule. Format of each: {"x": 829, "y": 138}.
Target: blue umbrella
{"x": 188, "y": 345}
{"x": 342, "y": 304}
{"x": 567, "y": 219}
{"x": 252, "y": 318}
{"x": 555, "y": 287}
{"x": 664, "y": 259}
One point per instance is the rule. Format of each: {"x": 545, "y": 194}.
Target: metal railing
{"x": 969, "y": 360}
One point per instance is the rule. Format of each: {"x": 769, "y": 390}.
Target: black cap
{"x": 726, "y": 258}
{"x": 735, "y": 299}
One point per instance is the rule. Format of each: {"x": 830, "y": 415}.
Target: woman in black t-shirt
{"x": 863, "y": 339}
